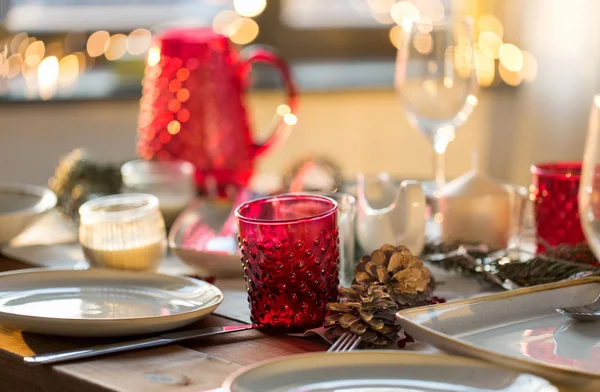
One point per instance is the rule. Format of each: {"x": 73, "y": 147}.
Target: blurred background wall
{"x": 349, "y": 110}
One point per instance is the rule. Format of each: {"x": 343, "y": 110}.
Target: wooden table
{"x": 192, "y": 366}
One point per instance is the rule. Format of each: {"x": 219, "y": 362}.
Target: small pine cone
{"x": 367, "y": 311}
{"x": 77, "y": 179}
{"x": 409, "y": 282}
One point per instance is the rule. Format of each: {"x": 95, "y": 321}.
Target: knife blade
{"x": 160, "y": 340}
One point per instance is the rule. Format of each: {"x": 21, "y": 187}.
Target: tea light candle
{"x": 172, "y": 182}
{"x": 123, "y": 231}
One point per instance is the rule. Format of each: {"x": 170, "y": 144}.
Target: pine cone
{"x": 367, "y": 311}
{"x": 78, "y": 178}
{"x": 408, "y": 281}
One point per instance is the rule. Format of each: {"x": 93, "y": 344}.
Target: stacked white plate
{"x": 102, "y": 302}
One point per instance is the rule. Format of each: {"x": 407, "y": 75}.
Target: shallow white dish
{"x": 20, "y": 206}
{"x": 102, "y": 302}
{"x": 380, "y": 371}
{"x": 204, "y": 237}
{"x": 519, "y": 329}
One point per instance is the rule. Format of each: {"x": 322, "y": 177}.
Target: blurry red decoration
{"x": 193, "y": 108}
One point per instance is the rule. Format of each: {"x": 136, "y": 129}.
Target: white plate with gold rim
{"x": 380, "y": 371}
{"x": 102, "y": 302}
{"x": 519, "y": 329}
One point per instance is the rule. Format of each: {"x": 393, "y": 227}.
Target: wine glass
{"x": 435, "y": 79}
{"x": 589, "y": 185}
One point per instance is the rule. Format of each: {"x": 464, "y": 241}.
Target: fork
{"x": 347, "y": 342}
{"x": 587, "y": 312}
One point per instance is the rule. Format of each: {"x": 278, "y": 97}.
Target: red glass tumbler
{"x": 290, "y": 257}
{"x": 554, "y": 189}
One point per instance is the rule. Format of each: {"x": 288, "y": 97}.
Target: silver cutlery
{"x": 160, "y": 340}
{"x": 587, "y": 312}
{"x": 347, "y": 342}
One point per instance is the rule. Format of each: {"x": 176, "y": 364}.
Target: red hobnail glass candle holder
{"x": 290, "y": 257}
{"x": 554, "y": 192}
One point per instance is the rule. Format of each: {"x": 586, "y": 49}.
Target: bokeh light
{"x": 489, "y": 22}
{"x": 117, "y": 47}
{"x": 183, "y": 95}
{"x": 511, "y": 57}
{"x": 14, "y": 65}
{"x": 530, "y": 67}
{"x": 509, "y": 77}
{"x": 183, "y": 74}
{"x": 35, "y": 53}
{"x": 423, "y": 42}
{"x": 490, "y": 43}
{"x": 249, "y": 8}
{"x": 283, "y": 109}
{"x": 82, "y": 60}
{"x": 174, "y": 127}
{"x": 97, "y": 43}
{"x": 28, "y": 73}
{"x": 174, "y": 85}
{"x": 290, "y": 119}
{"x": 153, "y": 56}
{"x": 139, "y": 41}
{"x": 48, "y": 72}
{"x": 403, "y": 11}
{"x": 244, "y": 31}
{"x": 16, "y": 41}
{"x": 485, "y": 67}
{"x": 223, "y": 21}
{"x": 425, "y": 24}
{"x": 396, "y": 34}
{"x": 68, "y": 70}
{"x": 24, "y": 45}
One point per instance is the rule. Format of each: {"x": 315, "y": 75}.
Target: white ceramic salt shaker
{"x": 477, "y": 208}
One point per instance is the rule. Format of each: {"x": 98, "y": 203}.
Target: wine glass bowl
{"x": 589, "y": 187}
{"x": 436, "y": 81}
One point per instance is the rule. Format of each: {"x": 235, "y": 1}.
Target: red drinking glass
{"x": 290, "y": 255}
{"x": 193, "y": 106}
{"x": 554, "y": 189}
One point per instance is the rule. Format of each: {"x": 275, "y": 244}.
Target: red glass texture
{"x": 290, "y": 257}
{"x": 555, "y": 190}
{"x": 195, "y": 91}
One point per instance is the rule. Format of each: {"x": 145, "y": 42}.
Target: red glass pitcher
{"x": 193, "y": 107}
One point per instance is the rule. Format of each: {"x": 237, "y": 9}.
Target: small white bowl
{"x": 20, "y": 206}
{"x": 203, "y": 238}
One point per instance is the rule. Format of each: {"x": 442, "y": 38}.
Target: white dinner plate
{"x": 519, "y": 329}
{"x": 102, "y": 302}
{"x": 380, "y": 371}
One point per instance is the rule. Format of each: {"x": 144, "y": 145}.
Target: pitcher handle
{"x": 414, "y": 205}
{"x": 281, "y": 129}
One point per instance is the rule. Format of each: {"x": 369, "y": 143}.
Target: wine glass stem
{"x": 439, "y": 164}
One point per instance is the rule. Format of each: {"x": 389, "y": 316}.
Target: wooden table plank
{"x": 193, "y": 366}
{"x": 171, "y": 368}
